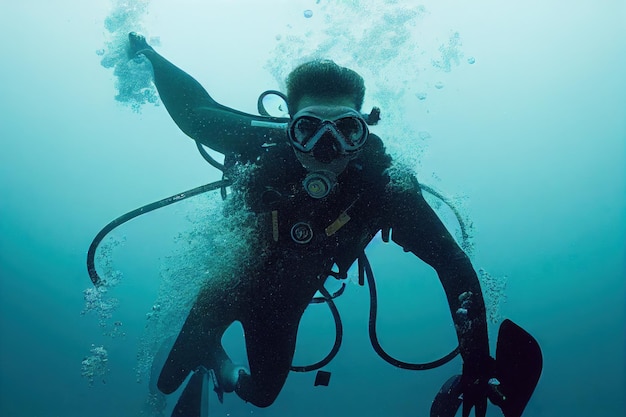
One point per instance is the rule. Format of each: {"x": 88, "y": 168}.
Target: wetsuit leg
{"x": 270, "y": 343}
{"x": 199, "y": 341}
{"x": 281, "y": 289}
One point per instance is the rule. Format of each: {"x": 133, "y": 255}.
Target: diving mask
{"x": 345, "y": 126}
{"x": 325, "y": 140}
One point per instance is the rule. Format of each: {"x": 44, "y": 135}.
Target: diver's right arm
{"x": 199, "y": 116}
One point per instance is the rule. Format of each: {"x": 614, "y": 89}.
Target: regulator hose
{"x": 374, "y": 336}
{"x": 338, "y": 337}
{"x": 91, "y": 253}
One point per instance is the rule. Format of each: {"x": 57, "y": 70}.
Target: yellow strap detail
{"x": 337, "y": 224}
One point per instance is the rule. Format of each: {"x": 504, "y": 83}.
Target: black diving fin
{"x": 519, "y": 363}
{"x": 194, "y": 401}
{"x": 518, "y": 366}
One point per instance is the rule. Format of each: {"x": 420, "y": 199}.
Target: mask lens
{"x": 346, "y": 126}
{"x": 352, "y": 130}
{"x": 303, "y": 130}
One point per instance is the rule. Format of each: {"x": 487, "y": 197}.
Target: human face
{"x": 325, "y": 135}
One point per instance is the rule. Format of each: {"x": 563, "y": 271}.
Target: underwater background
{"x": 514, "y": 110}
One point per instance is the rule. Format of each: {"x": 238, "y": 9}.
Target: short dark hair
{"x": 323, "y": 78}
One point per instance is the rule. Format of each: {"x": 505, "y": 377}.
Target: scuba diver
{"x": 322, "y": 187}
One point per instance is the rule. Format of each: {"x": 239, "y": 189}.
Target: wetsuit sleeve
{"x": 418, "y": 229}
{"x": 222, "y": 129}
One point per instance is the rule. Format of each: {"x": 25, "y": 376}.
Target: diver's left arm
{"x": 417, "y": 228}
{"x": 198, "y": 115}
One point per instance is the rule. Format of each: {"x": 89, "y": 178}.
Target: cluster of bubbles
{"x": 97, "y": 299}
{"x": 494, "y": 292}
{"x": 450, "y": 54}
{"x": 220, "y": 237}
{"x": 400, "y": 177}
{"x": 95, "y": 366}
{"x": 99, "y": 302}
{"x": 133, "y": 75}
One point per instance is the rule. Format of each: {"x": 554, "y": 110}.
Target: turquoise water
{"x": 515, "y": 110}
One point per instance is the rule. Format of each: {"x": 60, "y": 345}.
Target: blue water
{"x": 516, "y": 110}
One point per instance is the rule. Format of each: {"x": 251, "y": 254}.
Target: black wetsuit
{"x": 300, "y": 249}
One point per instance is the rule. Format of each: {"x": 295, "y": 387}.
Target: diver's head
{"x": 326, "y": 129}
{"x": 324, "y": 79}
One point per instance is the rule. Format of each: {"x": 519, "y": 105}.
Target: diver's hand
{"x": 137, "y": 44}
{"x": 474, "y": 383}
